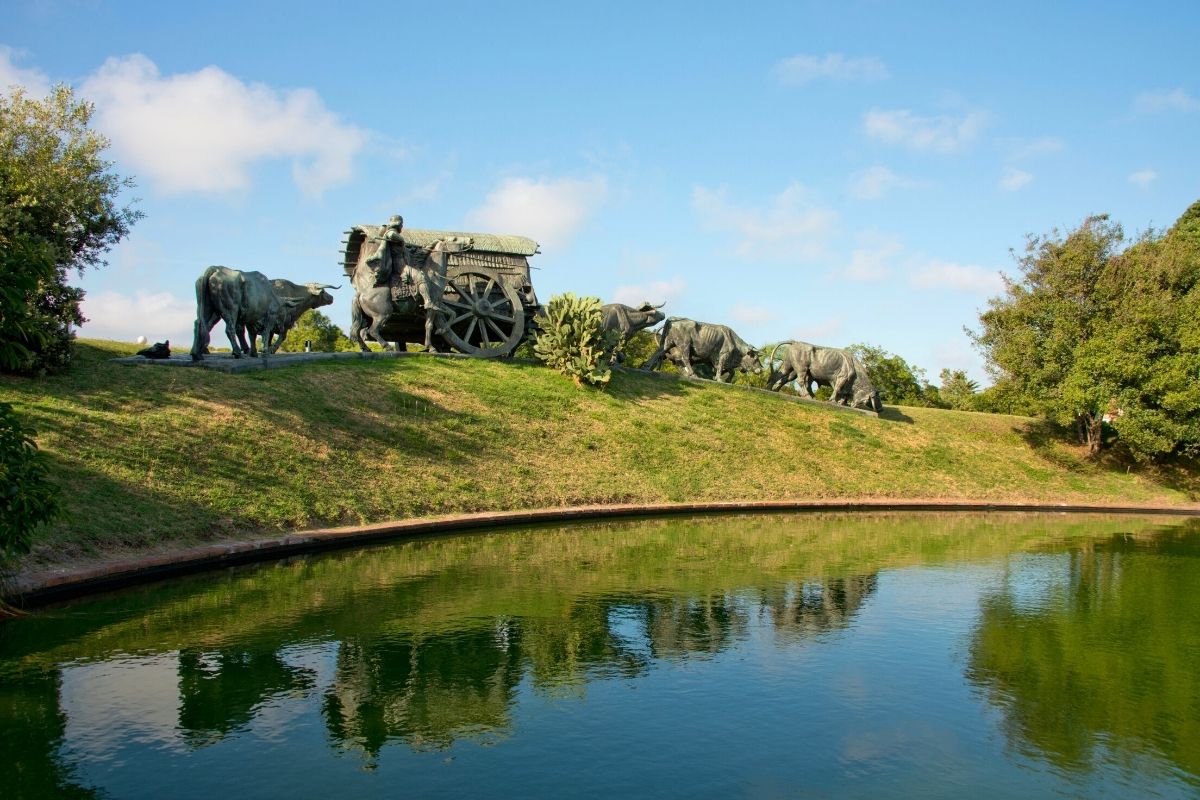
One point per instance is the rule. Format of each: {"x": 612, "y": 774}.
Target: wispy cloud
{"x": 822, "y": 332}
{"x": 872, "y": 263}
{"x": 803, "y": 68}
{"x": 744, "y": 313}
{"x": 1014, "y": 179}
{"x": 1158, "y": 100}
{"x": 875, "y": 182}
{"x": 937, "y": 274}
{"x": 203, "y": 131}
{"x": 124, "y": 317}
{"x": 1143, "y": 178}
{"x": 1019, "y": 150}
{"x": 937, "y": 134}
{"x": 550, "y": 210}
{"x": 792, "y": 226}
{"x": 35, "y": 82}
{"x": 656, "y": 292}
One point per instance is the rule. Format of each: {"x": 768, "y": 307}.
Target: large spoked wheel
{"x": 485, "y": 317}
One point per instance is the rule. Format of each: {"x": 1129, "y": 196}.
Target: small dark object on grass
{"x": 157, "y": 350}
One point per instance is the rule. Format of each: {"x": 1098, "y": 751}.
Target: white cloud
{"x": 155, "y": 315}
{"x": 750, "y": 314}
{"x": 822, "y": 332}
{"x": 791, "y": 227}
{"x": 801, "y": 69}
{"x": 1014, "y": 179}
{"x": 1043, "y": 146}
{"x": 940, "y": 134}
{"x": 1143, "y": 178}
{"x": 202, "y": 131}
{"x": 875, "y": 182}
{"x": 960, "y": 277}
{"x": 870, "y": 264}
{"x": 1165, "y": 100}
{"x": 656, "y": 292}
{"x": 36, "y": 83}
{"x": 550, "y": 211}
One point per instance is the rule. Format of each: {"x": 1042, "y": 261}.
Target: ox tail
{"x": 204, "y": 311}
{"x": 358, "y": 320}
{"x": 655, "y": 361}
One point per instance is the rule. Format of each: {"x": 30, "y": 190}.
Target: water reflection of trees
{"x": 430, "y": 690}
{"x": 1098, "y": 650}
{"x": 31, "y": 765}
{"x": 220, "y": 691}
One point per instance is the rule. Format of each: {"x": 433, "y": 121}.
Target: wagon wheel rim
{"x": 484, "y": 316}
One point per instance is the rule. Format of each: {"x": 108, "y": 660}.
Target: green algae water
{"x": 750, "y": 656}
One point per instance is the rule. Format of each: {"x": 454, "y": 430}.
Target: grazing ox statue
{"x": 688, "y": 343}
{"x": 306, "y": 295}
{"x": 627, "y": 320}
{"x": 244, "y": 301}
{"x": 807, "y": 364}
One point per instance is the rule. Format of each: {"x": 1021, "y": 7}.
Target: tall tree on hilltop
{"x": 58, "y": 213}
{"x": 1031, "y": 334}
{"x": 1091, "y": 334}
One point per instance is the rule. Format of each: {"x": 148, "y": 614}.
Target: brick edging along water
{"x": 33, "y": 589}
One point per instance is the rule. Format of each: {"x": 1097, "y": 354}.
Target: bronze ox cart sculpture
{"x": 469, "y": 292}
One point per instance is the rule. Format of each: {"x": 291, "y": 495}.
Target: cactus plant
{"x": 573, "y": 339}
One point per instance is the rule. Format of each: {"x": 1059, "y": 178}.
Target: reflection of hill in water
{"x": 1094, "y": 650}
{"x": 429, "y": 640}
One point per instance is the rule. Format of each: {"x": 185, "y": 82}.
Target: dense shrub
{"x": 27, "y": 497}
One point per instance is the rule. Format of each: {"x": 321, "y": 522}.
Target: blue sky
{"x": 836, "y": 172}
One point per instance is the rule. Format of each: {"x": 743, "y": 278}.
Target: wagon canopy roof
{"x": 488, "y": 242}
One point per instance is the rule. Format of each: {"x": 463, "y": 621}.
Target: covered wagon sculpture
{"x": 469, "y": 292}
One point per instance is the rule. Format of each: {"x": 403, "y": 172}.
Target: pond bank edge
{"x": 29, "y": 590}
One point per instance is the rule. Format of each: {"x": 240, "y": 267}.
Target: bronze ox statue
{"x": 249, "y": 301}
{"x": 627, "y": 320}
{"x": 689, "y": 344}
{"x": 807, "y": 364}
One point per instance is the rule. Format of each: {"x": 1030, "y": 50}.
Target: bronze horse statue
{"x": 374, "y": 302}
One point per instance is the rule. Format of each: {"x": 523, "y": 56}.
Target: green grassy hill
{"x": 154, "y": 456}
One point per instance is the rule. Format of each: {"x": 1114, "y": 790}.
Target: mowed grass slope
{"x": 157, "y": 456}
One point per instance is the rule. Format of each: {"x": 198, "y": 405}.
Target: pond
{"x": 928, "y": 655}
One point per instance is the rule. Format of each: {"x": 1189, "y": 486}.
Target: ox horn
{"x": 315, "y": 285}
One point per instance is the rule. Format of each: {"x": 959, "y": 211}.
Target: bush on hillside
{"x": 27, "y": 497}
{"x": 573, "y": 340}
{"x": 320, "y": 330}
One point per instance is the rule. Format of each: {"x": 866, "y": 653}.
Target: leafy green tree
{"x": 58, "y": 213}
{"x": 1031, "y": 334}
{"x": 27, "y": 497}
{"x": 320, "y": 330}
{"x": 1093, "y": 334}
{"x": 957, "y": 390}
{"x": 898, "y": 382}
{"x": 1141, "y": 369}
